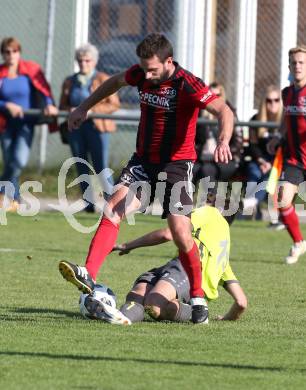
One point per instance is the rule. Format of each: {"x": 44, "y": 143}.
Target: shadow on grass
{"x": 39, "y": 310}
{"x": 54, "y": 314}
{"x": 40, "y": 355}
{"x": 275, "y": 262}
{"x": 34, "y": 310}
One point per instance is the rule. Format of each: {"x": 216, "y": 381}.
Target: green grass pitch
{"x": 45, "y": 343}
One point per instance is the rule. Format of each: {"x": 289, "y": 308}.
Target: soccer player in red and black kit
{"x": 170, "y": 99}
{"x": 294, "y": 132}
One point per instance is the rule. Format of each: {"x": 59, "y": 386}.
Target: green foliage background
{"x": 45, "y": 343}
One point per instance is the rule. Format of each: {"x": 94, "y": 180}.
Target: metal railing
{"x": 134, "y": 117}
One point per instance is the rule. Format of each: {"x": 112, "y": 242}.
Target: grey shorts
{"x": 173, "y": 273}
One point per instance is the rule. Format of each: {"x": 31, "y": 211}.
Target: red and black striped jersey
{"x": 169, "y": 112}
{"x": 295, "y": 120}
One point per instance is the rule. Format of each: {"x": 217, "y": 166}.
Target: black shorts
{"x": 170, "y": 183}
{"x": 294, "y": 175}
{"x": 173, "y": 273}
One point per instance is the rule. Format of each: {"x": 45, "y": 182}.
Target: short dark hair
{"x": 10, "y": 42}
{"x": 155, "y": 44}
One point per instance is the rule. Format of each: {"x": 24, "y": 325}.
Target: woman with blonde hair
{"x": 270, "y": 110}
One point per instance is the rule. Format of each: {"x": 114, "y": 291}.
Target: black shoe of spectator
{"x": 90, "y": 208}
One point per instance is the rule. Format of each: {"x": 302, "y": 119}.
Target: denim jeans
{"x": 16, "y": 144}
{"x": 256, "y": 176}
{"x": 86, "y": 142}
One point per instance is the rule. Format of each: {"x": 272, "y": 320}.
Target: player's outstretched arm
{"x": 109, "y": 87}
{"x": 239, "y": 305}
{"x": 153, "y": 238}
{"x": 225, "y": 117}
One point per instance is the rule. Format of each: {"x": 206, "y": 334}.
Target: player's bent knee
{"x": 115, "y": 207}
{"x": 112, "y": 215}
{"x": 286, "y": 197}
{"x": 284, "y": 204}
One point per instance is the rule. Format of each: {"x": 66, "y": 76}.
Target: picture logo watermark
{"x": 138, "y": 197}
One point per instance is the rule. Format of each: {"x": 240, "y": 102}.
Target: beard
{"x": 163, "y": 77}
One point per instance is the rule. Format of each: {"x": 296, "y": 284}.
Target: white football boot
{"x": 297, "y": 249}
{"x": 107, "y": 313}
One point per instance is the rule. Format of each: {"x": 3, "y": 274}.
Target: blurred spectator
{"x": 206, "y": 142}
{"x": 259, "y": 167}
{"x": 92, "y": 138}
{"x": 22, "y": 86}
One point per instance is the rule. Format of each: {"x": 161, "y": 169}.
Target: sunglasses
{"x": 80, "y": 60}
{"x": 272, "y": 100}
{"x": 10, "y": 51}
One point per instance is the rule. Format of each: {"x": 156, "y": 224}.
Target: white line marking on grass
{"x": 11, "y": 250}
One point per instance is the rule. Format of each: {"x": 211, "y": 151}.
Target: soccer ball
{"x": 100, "y": 293}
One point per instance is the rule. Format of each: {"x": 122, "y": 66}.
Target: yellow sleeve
{"x": 228, "y": 275}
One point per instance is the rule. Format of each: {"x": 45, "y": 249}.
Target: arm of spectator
{"x": 253, "y": 134}
{"x": 14, "y": 109}
{"x": 254, "y": 149}
{"x": 277, "y": 139}
{"x": 50, "y": 110}
{"x": 153, "y": 238}
{"x": 64, "y": 97}
{"x": 273, "y": 144}
{"x": 49, "y": 101}
{"x": 2, "y": 104}
{"x": 264, "y": 165}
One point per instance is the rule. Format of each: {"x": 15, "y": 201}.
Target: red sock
{"x": 291, "y": 221}
{"x": 192, "y": 266}
{"x": 101, "y": 245}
